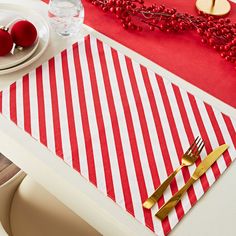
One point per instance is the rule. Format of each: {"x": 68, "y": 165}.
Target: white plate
{"x": 18, "y": 57}
{"x": 40, "y": 24}
{"x": 8, "y": 17}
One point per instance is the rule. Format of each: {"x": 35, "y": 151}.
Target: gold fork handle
{"x": 165, "y": 209}
{"x": 150, "y": 202}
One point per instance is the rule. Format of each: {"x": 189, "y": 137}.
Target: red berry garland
{"x": 219, "y": 33}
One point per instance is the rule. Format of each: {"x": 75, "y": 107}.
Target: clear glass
{"x": 66, "y": 16}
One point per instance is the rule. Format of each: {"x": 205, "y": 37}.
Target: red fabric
{"x": 182, "y": 54}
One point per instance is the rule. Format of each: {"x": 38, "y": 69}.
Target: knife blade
{"x": 200, "y": 170}
{"x": 209, "y": 161}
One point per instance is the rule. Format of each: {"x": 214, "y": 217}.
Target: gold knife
{"x": 200, "y": 170}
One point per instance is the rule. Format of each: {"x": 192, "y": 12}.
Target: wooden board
{"x": 7, "y": 169}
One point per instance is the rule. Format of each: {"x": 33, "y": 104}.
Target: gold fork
{"x": 188, "y": 159}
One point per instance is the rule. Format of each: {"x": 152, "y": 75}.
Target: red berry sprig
{"x": 219, "y": 33}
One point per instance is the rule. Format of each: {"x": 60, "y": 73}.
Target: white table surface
{"x": 214, "y": 214}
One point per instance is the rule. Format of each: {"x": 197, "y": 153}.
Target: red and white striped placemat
{"x": 120, "y": 125}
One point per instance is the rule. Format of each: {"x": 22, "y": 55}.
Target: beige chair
{"x": 27, "y": 209}
{"x": 7, "y": 192}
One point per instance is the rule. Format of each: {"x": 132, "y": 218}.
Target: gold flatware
{"x": 188, "y": 158}
{"x": 200, "y": 170}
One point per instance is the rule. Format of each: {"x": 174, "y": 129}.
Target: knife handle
{"x": 165, "y": 209}
{"x": 150, "y": 202}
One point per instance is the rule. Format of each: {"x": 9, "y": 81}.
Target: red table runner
{"x": 182, "y": 54}
{"x": 120, "y": 125}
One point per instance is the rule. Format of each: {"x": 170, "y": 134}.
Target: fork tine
{"x": 190, "y": 148}
{"x": 196, "y": 144}
{"x": 200, "y": 148}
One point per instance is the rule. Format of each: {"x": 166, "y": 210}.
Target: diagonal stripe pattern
{"x": 120, "y": 125}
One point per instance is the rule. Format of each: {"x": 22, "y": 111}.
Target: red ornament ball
{"x": 5, "y": 42}
{"x": 23, "y": 33}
